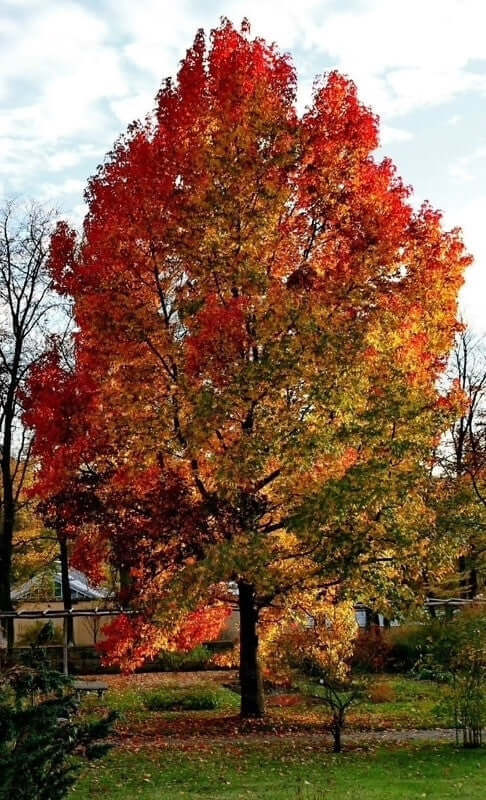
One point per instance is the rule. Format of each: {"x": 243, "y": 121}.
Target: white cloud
{"x": 426, "y": 46}
{"x": 390, "y": 134}
{"x": 62, "y": 159}
{"x": 52, "y": 193}
{"x": 135, "y": 106}
{"x": 62, "y": 52}
{"x": 462, "y": 168}
{"x": 155, "y": 34}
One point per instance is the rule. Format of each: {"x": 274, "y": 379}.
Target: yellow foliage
{"x": 310, "y": 632}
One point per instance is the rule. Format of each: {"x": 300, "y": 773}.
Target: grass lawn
{"x": 278, "y": 771}
{"x": 207, "y": 752}
{"x": 411, "y": 703}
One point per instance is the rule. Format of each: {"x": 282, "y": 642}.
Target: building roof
{"x": 79, "y": 583}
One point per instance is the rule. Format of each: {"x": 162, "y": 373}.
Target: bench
{"x": 84, "y": 687}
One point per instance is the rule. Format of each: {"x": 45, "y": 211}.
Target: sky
{"x": 73, "y": 75}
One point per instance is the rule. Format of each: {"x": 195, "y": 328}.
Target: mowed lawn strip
{"x": 273, "y": 770}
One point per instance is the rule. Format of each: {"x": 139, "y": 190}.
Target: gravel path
{"x": 403, "y": 735}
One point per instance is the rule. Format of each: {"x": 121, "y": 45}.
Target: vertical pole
{"x": 65, "y": 645}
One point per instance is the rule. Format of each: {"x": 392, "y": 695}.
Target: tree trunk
{"x": 463, "y": 582}
{"x": 66, "y": 589}
{"x": 7, "y": 624}
{"x": 336, "y": 733}
{"x": 125, "y": 584}
{"x": 9, "y": 501}
{"x": 8, "y": 522}
{"x": 473, "y": 579}
{"x": 6, "y": 561}
{"x": 251, "y": 683}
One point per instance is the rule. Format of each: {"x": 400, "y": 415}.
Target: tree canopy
{"x": 262, "y": 319}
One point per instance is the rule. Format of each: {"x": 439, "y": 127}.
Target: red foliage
{"x": 129, "y": 642}
{"x": 371, "y": 650}
{"x": 203, "y": 625}
{"x": 220, "y": 339}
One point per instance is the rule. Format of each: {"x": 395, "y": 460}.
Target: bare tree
{"x": 30, "y": 312}
{"x": 465, "y": 458}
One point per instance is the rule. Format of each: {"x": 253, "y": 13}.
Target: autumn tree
{"x": 262, "y": 321}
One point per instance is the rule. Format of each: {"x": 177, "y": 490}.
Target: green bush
{"x": 456, "y": 655}
{"x": 190, "y": 699}
{"x": 173, "y": 661}
{"x": 407, "y": 645}
{"x": 43, "y": 739}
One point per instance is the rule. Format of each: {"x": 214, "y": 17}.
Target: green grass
{"x": 415, "y": 704}
{"x": 184, "y": 760}
{"x": 279, "y": 771}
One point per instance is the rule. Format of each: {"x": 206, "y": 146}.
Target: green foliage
{"x": 456, "y": 655}
{"x": 406, "y": 646}
{"x": 42, "y": 738}
{"x": 192, "y": 699}
{"x": 121, "y": 701}
{"x": 174, "y": 661}
{"x": 415, "y": 704}
{"x": 464, "y": 704}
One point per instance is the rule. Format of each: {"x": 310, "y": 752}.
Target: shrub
{"x": 371, "y": 651}
{"x": 456, "y": 653}
{"x": 407, "y": 645}
{"x": 191, "y": 699}
{"x": 382, "y": 693}
{"x": 175, "y": 661}
{"x": 42, "y": 738}
{"x": 229, "y": 658}
{"x": 395, "y": 650}
{"x": 338, "y": 695}
{"x": 307, "y": 636}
